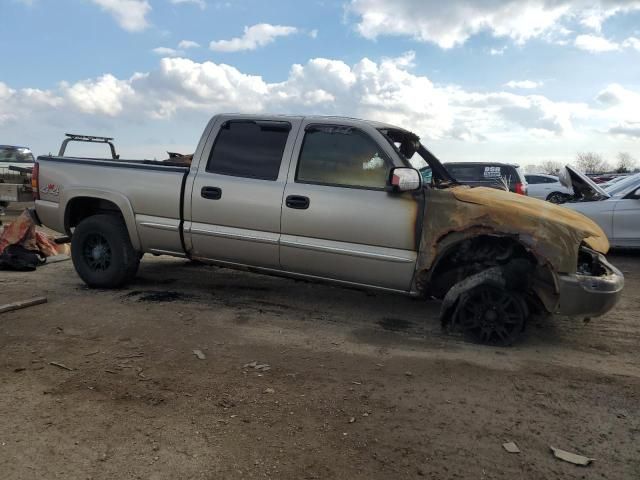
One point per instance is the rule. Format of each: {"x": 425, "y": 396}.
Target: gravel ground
{"x": 301, "y": 380}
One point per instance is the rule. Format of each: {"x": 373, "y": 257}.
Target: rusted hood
{"x": 553, "y": 232}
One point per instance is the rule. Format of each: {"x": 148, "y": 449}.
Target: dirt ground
{"x": 359, "y": 385}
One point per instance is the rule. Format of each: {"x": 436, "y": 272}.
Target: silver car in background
{"x": 615, "y": 209}
{"x": 547, "y": 187}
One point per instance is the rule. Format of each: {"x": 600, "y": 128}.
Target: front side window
{"x": 249, "y": 149}
{"x": 342, "y": 156}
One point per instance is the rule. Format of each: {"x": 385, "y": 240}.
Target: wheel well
{"x": 80, "y": 208}
{"x": 472, "y": 255}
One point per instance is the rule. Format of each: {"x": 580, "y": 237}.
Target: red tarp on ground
{"x": 23, "y": 232}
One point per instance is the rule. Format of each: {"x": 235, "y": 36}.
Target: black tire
{"x": 102, "y": 253}
{"x": 556, "y": 197}
{"x": 492, "y": 315}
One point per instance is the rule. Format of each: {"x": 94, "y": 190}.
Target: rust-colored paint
{"x": 552, "y": 232}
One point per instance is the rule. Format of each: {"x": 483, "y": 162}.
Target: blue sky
{"x": 524, "y": 81}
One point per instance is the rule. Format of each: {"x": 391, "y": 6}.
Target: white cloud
{"x": 25, "y": 102}
{"x": 199, "y": 3}
{"x": 389, "y": 90}
{"x": 595, "y": 44}
{"x": 523, "y": 84}
{"x": 386, "y": 90}
{"x": 254, "y": 36}
{"x": 632, "y": 42}
{"x": 622, "y": 107}
{"x": 105, "y": 95}
{"x": 186, "y": 44}
{"x": 167, "y": 52}
{"x": 130, "y": 14}
{"x": 497, "y": 51}
{"x": 627, "y": 129}
{"x": 452, "y": 23}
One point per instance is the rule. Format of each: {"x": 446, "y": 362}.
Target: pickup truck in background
{"x": 335, "y": 199}
{"x": 15, "y": 175}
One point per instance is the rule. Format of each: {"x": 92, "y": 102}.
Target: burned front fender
{"x": 552, "y": 233}
{"x": 552, "y": 237}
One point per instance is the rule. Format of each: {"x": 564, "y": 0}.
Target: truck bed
{"x": 148, "y": 193}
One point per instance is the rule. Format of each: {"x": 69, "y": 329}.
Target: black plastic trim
{"x": 181, "y": 224}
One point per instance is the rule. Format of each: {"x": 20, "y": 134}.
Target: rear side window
{"x": 481, "y": 173}
{"x": 534, "y": 179}
{"x": 249, "y": 149}
{"x": 342, "y": 156}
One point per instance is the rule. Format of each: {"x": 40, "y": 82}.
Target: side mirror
{"x": 403, "y": 179}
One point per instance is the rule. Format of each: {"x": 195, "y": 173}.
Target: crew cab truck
{"x": 336, "y": 199}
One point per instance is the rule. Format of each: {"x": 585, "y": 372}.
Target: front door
{"x": 338, "y": 221}
{"x": 237, "y": 193}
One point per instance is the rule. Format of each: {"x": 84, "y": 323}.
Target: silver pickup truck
{"x": 351, "y": 201}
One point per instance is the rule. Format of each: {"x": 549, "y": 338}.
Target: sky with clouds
{"x": 509, "y": 80}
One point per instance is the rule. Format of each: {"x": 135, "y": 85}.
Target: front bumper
{"x": 590, "y": 296}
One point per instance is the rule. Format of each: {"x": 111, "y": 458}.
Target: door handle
{"x": 297, "y": 201}
{"x": 211, "y": 193}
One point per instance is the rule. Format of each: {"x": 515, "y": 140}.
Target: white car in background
{"x": 616, "y": 209}
{"x": 547, "y": 187}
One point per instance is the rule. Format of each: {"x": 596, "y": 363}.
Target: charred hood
{"x": 552, "y": 232}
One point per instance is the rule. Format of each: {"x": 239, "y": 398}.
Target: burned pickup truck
{"x": 350, "y": 201}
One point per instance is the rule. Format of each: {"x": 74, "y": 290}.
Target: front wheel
{"x": 492, "y": 315}
{"x": 557, "y": 198}
{"x": 102, "y": 253}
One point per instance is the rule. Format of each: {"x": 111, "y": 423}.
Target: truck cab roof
{"x": 314, "y": 118}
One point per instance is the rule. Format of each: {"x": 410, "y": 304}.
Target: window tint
{"x": 249, "y": 149}
{"x": 549, "y": 180}
{"x": 484, "y": 174}
{"x": 342, "y": 156}
{"x": 16, "y": 155}
{"x": 478, "y": 172}
{"x": 533, "y": 179}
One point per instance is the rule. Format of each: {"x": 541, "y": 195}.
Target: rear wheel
{"x": 102, "y": 252}
{"x": 492, "y": 315}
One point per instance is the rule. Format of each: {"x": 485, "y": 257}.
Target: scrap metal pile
{"x": 23, "y": 247}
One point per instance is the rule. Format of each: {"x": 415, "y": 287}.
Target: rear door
{"x": 626, "y": 221}
{"x": 338, "y": 221}
{"x": 237, "y": 193}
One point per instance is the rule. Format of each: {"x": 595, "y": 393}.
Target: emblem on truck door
{"x": 50, "y": 189}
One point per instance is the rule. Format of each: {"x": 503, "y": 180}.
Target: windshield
{"x": 620, "y": 188}
{"x": 16, "y": 155}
